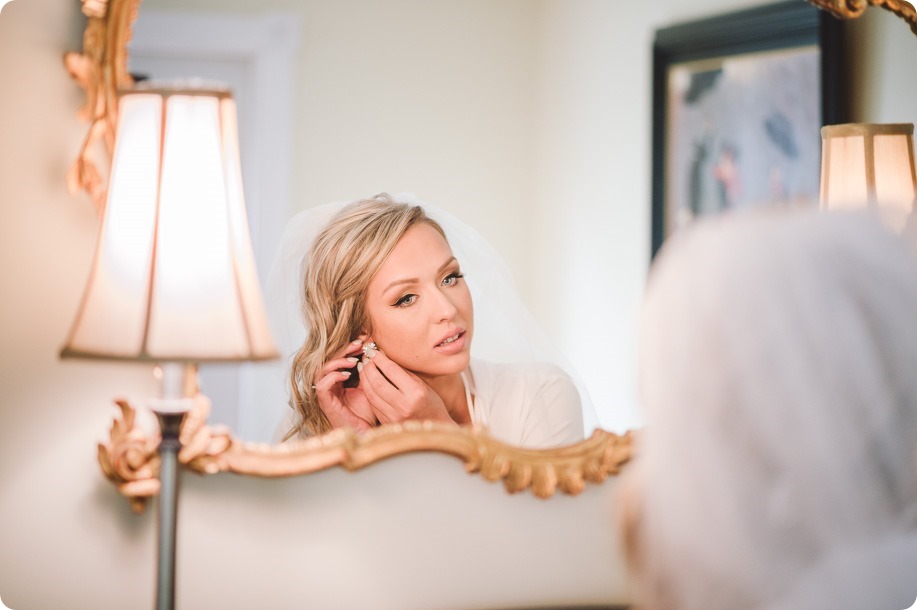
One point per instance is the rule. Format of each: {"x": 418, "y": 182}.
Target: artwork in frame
{"x": 738, "y": 102}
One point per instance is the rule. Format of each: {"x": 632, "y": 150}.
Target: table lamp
{"x": 173, "y": 281}
{"x": 870, "y": 165}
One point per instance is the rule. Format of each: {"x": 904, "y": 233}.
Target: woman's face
{"x": 419, "y": 306}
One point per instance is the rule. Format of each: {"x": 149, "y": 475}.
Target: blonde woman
{"x": 390, "y": 324}
{"x": 778, "y": 468}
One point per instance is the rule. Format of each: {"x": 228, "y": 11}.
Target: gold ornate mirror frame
{"x": 130, "y": 460}
{"x": 851, "y": 9}
{"x": 101, "y": 70}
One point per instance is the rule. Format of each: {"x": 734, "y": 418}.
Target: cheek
{"x": 398, "y": 335}
{"x": 468, "y": 309}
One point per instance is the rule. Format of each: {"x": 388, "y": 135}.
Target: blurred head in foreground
{"x": 778, "y": 468}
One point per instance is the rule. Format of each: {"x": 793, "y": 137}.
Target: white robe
{"x": 533, "y": 405}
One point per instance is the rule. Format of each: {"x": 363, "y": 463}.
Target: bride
{"x": 390, "y": 323}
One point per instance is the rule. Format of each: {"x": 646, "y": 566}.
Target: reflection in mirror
{"x": 254, "y": 57}
{"x": 454, "y": 123}
{"x": 412, "y": 315}
{"x": 524, "y": 119}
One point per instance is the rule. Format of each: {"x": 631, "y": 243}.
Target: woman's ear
{"x": 363, "y": 334}
{"x": 366, "y": 329}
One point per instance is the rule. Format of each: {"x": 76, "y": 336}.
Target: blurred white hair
{"x": 778, "y": 468}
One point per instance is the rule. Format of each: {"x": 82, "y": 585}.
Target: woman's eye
{"x": 406, "y": 300}
{"x": 452, "y": 278}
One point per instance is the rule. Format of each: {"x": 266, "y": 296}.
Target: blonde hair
{"x": 335, "y": 276}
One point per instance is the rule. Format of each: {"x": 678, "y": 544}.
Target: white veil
{"x": 505, "y": 330}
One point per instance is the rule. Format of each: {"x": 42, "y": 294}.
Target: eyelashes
{"x": 453, "y": 278}
{"x": 405, "y": 301}
{"x": 409, "y": 299}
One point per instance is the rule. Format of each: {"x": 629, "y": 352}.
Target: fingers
{"x": 394, "y": 373}
{"x": 346, "y": 358}
{"x": 353, "y": 348}
{"x": 382, "y": 395}
{"x": 355, "y": 400}
{"x": 343, "y": 406}
{"x": 337, "y": 364}
{"x": 341, "y": 414}
{"x": 384, "y": 409}
{"x": 332, "y": 374}
{"x": 387, "y": 392}
{"x": 394, "y": 393}
{"x": 327, "y": 382}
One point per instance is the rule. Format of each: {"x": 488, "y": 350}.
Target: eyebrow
{"x": 415, "y": 280}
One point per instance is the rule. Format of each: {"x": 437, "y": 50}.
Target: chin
{"x": 452, "y": 366}
{"x": 461, "y": 362}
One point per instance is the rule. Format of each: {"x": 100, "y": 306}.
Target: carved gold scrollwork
{"x": 101, "y": 70}
{"x": 850, "y": 9}
{"x": 130, "y": 461}
{"x": 544, "y": 471}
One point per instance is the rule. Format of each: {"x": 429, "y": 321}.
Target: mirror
{"x": 464, "y": 105}
{"x": 512, "y": 166}
{"x": 456, "y": 123}
{"x": 128, "y": 458}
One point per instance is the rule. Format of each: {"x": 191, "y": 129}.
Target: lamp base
{"x": 179, "y": 382}
{"x": 170, "y": 426}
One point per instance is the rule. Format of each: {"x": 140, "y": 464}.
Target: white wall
{"x": 883, "y": 56}
{"x": 63, "y": 531}
{"x": 410, "y": 95}
{"x": 66, "y": 534}
{"x": 593, "y": 163}
{"x": 530, "y": 119}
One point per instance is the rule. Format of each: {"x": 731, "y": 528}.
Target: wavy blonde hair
{"x": 336, "y": 274}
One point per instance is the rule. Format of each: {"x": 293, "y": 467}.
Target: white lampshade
{"x": 869, "y": 165}
{"x": 174, "y": 277}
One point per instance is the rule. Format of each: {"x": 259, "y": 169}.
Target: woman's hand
{"x": 343, "y": 406}
{"x": 396, "y": 395}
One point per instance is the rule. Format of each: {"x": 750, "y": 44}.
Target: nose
{"x": 443, "y": 307}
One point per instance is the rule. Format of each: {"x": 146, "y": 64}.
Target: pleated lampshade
{"x": 174, "y": 277}
{"x": 869, "y": 165}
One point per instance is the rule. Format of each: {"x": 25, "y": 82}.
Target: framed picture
{"x": 738, "y": 102}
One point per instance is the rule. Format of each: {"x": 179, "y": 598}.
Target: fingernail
{"x": 357, "y": 342}
{"x": 345, "y": 373}
{"x": 359, "y": 367}
{"x": 353, "y": 359}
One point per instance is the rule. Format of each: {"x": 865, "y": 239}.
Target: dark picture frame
{"x": 742, "y": 92}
